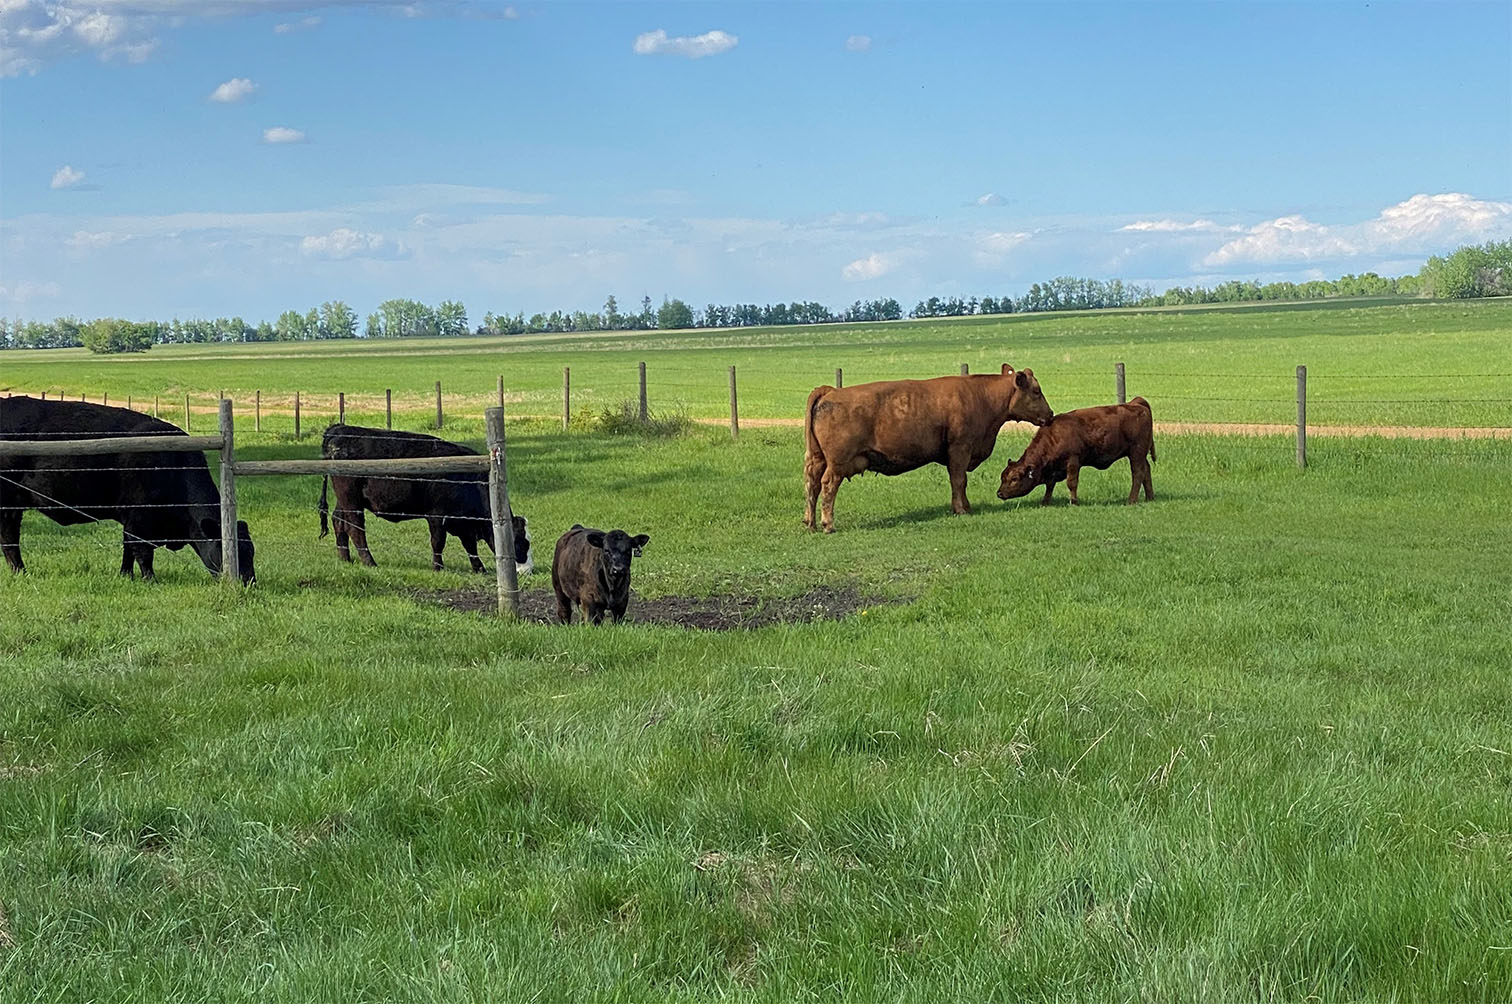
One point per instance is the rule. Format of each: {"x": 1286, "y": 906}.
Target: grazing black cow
{"x": 592, "y": 569}
{"x": 160, "y": 499}
{"x": 455, "y": 504}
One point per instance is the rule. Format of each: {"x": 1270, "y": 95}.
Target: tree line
{"x": 1470, "y": 271}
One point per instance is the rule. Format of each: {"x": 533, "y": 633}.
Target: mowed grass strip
{"x": 1248, "y": 742}
{"x": 1415, "y": 363}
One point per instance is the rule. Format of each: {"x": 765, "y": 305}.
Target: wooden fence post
{"x": 734, "y": 410}
{"x": 296, "y": 414}
{"x": 128, "y": 401}
{"x": 965, "y": 369}
{"x": 230, "y": 560}
{"x": 501, "y": 390}
{"x": 438, "y": 404}
{"x": 257, "y": 423}
{"x": 1301, "y": 416}
{"x": 1118, "y": 382}
{"x": 341, "y": 406}
{"x": 154, "y": 404}
{"x": 388, "y": 408}
{"x": 839, "y": 377}
{"x": 506, "y": 574}
{"x": 566, "y": 398}
{"x": 186, "y": 412}
{"x": 105, "y": 399}
{"x": 643, "y": 412}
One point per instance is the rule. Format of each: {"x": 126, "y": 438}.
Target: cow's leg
{"x": 470, "y": 545}
{"x": 10, "y": 538}
{"x": 618, "y": 612}
{"x": 1149, "y": 489}
{"x": 343, "y": 538}
{"x": 357, "y": 531}
{"x": 1049, "y": 487}
{"x": 1073, "y": 475}
{"x": 594, "y": 613}
{"x": 813, "y": 478}
{"x": 128, "y": 559}
{"x": 564, "y": 608}
{"x": 144, "y": 553}
{"x": 958, "y": 464}
{"x": 830, "y": 487}
{"x": 438, "y": 541}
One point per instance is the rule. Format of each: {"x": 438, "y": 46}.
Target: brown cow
{"x": 895, "y": 426}
{"x": 1086, "y": 437}
{"x": 592, "y": 569}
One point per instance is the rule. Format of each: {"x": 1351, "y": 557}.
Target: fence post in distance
{"x": 296, "y": 414}
{"x": 388, "y": 408}
{"x": 506, "y": 574}
{"x": 1118, "y": 383}
{"x": 186, "y": 412}
{"x": 438, "y": 404}
{"x": 341, "y": 406}
{"x": 257, "y": 420}
{"x": 839, "y": 377}
{"x": 230, "y": 560}
{"x": 501, "y": 390}
{"x": 734, "y": 408}
{"x": 566, "y": 398}
{"x": 1301, "y": 416}
{"x": 965, "y": 369}
{"x": 643, "y": 412}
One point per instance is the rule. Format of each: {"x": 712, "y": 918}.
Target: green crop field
{"x": 1249, "y": 742}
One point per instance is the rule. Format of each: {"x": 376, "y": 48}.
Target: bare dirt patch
{"x": 720, "y": 612}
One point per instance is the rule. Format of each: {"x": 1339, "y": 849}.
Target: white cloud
{"x": 90, "y": 241}
{"x": 344, "y": 242}
{"x": 1423, "y": 224}
{"x": 282, "y": 134}
{"x": 291, "y": 26}
{"x": 233, "y": 90}
{"x": 858, "y": 43}
{"x": 873, "y": 266}
{"x": 25, "y": 290}
{"x": 710, "y": 43}
{"x": 990, "y": 199}
{"x": 999, "y": 243}
{"x": 66, "y": 177}
{"x": 1174, "y": 226}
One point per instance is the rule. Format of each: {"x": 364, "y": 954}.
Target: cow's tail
{"x": 325, "y": 508}
{"x": 812, "y": 441}
{"x": 1146, "y": 406}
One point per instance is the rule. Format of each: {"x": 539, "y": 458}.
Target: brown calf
{"x": 1087, "y": 437}
{"x": 895, "y": 426}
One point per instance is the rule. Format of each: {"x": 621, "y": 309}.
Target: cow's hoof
{"x": 829, "y": 529}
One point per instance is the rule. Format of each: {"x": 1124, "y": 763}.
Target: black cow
{"x": 455, "y": 504}
{"x": 160, "y": 499}
{"x": 592, "y": 569}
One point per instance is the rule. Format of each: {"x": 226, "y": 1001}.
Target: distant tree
{"x": 337, "y": 320}
{"x": 291, "y": 326}
{"x": 451, "y": 318}
{"x": 674, "y": 314}
{"x": 613, "y": 320}
{"x": 109, "y": 334}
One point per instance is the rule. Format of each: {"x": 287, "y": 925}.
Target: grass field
{"x": 1248, "y": 742}
{"x": 1433, "y": 364}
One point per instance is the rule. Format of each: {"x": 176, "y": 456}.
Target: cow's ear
{"x": 639, "y": 541}
{"x": 596, "y": 539}
{"x": 1021, "y": 379}
{"x": 519, "y": 522}
{"x": 242, "y": 529}
{"x": 1007, "y": 370}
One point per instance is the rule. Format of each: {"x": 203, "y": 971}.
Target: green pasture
{"x": 1249, "y": 742}
{"x": 1398, "y": 363}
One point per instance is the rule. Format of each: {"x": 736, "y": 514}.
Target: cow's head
{"x": 210, "y": 548}
{"x": 1026, "y": 402}
{"x": 1019, "y": 479}
{"x": 616, "y": 548}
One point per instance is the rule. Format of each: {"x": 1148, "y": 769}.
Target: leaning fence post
{"x": 506, "y": 573}
{"x": 643, "y": 413}
{"x": 257, "y": 423}
{"x": 1301, "y": 416}
{"x": 1118, "y": 382}
{"x": 341, "y": 406}
{"x": 388, "y": 408}
{"x": 438, "y": 404}
{"x": 296, "y": 414}
{"x": 839, "y": 377}
{"x": 734, "y": 410}
{"x": 230, "y": 559}
{"x": 566, "y": 397}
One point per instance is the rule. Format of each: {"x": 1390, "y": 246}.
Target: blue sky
{"x": 539, "y": 156}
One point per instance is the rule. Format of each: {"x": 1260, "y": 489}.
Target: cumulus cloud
{"x": 34, "y": 33}
{"x": 233, "y": 90}
{"x": 710, "y": 43}
{"x": 873, "y": 266}
{"x": 66, "y": 177}
{"x": 1422, "y": 224}
{"x": 858, "y": 43}
{"x": 21, "y": 292}
{"x": 990, "y": 199}
{"x": 282, "y": 134}
{"x": 344, "y": 242}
